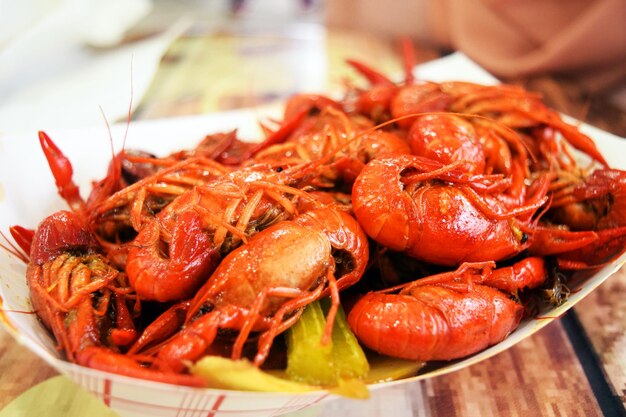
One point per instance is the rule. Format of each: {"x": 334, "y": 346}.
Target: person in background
{"x": 584, "y": 39}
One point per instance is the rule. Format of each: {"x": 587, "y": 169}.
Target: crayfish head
{"x": 61, "y": 232}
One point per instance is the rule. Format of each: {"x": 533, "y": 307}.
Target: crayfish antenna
{"x": 111, "y": 183}
{"x": 409, "y": 58}
{"x": 23, "y": 238}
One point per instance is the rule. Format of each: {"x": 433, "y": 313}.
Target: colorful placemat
{"x": 56, "y": 397}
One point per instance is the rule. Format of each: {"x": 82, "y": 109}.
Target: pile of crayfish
{"x": 435, "y": 214}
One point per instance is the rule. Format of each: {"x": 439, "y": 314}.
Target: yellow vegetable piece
{"x": 309, "y": 361}
{"x": 242, "y": 375}
{"x": 386, "y": 368}
{"x": 351, "y": 388}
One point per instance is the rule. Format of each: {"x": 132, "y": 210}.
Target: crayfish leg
{"x": 166, "y": 325}
{"x": 108, "y": 361}
{"x": 191, "y": 343}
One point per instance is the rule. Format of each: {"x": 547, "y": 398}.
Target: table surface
{"x": 576, "y": 366}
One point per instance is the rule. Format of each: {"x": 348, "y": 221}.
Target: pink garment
{"x": 514, "y": 38}
{"x": 510, "y": 38}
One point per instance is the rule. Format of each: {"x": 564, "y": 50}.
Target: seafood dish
{"x": 411, "y": 220}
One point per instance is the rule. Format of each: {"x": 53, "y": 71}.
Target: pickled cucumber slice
{"x": 386, "y": 368}
{"x": 242, "y": 375}
{"x": 311, "y": 362}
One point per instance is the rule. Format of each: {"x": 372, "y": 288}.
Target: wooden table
{"x": 576, "y": 366}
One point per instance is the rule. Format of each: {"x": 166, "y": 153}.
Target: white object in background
{"x": 49, "y": 78}
{"x": 107, "y": 21}
{"x": 16, "y": 17}
{"x": 453, "y": 67}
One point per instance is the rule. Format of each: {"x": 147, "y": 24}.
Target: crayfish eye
{"x": 204, "y": 309}
{"x": 314, "y": 111}
{"x": 524, "y": 238}
{"x": 410, "y": 179}
{"x": 133, "y": 171}
{"x": 344, "y": 262}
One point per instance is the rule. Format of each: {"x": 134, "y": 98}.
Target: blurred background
{"x": 63, "y": 60}
{"x": 60, "y": 60}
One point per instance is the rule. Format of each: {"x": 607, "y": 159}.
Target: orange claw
{"x": 247, "y": 151}
{"x": 283, "y": 131}
{"x": 572, "y": 134}
{"x": 166, "y": 325}
{"x": 23, "y": 237}
{"x": 62, "y": 171}
{"x": 608, "y": 246}
{"x": 125, "y": 333}
{"x": 373, "y": 76}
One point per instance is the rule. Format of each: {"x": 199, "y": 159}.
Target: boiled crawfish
{"x": 446, "y": 316}
{"x": 437, "y": 213}
{"x": 84, "y": 301}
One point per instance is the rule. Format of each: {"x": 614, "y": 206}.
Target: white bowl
{"x": 28, "y": 194}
